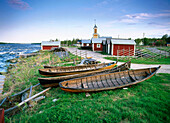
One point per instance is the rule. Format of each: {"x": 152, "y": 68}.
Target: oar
{"x": 23, "y": 102}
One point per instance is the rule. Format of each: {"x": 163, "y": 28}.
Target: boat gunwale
{"x": 61, "y": 72}
{"x": 95, "y": 72}
{"x": 84, "y": 65}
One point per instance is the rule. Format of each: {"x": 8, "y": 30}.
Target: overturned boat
{"x": 108, "y": 81}
{"x": 54, "y": 81}
{"x": 62, "y": 71}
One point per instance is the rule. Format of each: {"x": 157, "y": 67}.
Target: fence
{"x": 62, "y": 54}
{"x": 143, "y": 53}
{"x": 82, "y": 54}
{"x": 149, "y": 54}
{"x": 125, "y": 52}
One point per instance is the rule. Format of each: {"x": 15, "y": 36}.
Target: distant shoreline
{"x": 19, "y": 43}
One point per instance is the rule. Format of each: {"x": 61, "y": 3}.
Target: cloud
{"x": 166, "y": 10}
{"x": 128, "y": 21}
{"x": 146, "y": 15}
{"x": 139, "y": 17}
{"x": 19, "y": 4}
{"x": 155, "y": 24}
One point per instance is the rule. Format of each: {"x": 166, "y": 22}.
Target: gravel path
{"x": 99, "y": 57}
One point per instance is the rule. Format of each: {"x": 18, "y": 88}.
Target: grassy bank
{"x": 25, "y": 73}
{"x": 144, "y": 102}
{"x": 142, "y": 60}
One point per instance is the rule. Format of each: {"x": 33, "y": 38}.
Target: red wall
{"x": 98, "y": 49}
{"x": 48, "y": 47}
{"x": 123, "y": 50}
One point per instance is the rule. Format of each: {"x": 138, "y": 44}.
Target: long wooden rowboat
{"x": 108, "y": 81}
{"x": 75, "y": 69}
{"x": 54, "y": 81}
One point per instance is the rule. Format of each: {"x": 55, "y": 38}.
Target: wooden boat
{"x": 61, "y": 71}
{"x": 12, "y": 100}
{"x": 12, "y": 104}
{"x": 54, "y": 81}
{"x": 108, "y": 81}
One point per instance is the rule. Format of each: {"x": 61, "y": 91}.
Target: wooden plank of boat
{"x": 54, "y": 81}
{"x": 75, "y": 69}
{"x": 108, "y": 81}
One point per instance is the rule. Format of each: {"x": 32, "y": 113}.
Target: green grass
{"x": 145, "y": 102}
{"x": 142, "y": 60}
{"x": 164, "y": 48}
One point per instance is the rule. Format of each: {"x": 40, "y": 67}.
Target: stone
{"x": 54, "y": 100}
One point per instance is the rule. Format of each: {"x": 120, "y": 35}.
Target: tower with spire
{"x": 95, "y": 34}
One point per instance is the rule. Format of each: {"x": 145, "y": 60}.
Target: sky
{"x": 33, "y": 21}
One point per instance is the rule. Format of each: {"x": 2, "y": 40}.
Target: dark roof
{"x": 95, "y": 26}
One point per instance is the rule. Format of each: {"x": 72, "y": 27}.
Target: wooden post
{"x": 80, "y": 55}
{"x": 117, "y": 54}
{"x": 76, "y": 54}
{"x": 160, "y": 54}
{"x": 86, "y": 54}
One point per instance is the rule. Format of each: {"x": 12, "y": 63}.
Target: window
{"x": 87, "y": 44}
{"x": 98, "y": 45}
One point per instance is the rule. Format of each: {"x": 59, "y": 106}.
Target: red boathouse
{"x": 48, "y": 45}
{"x": 122, "y": 47}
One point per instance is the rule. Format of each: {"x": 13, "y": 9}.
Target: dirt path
{"x": 99, "y": 57}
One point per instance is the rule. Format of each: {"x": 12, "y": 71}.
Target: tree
{"x": 164, "y": 37}
{"x": 56, "y": 39}
{"x": 160, "y": 43}
{"x": 168, "y": 40}
{"x": 138, "y": 41}
{"x": 145, "y": 41}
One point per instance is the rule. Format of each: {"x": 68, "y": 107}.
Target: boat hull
{"x": 52, "y": 72}
{"x": 54, "y": 81}
{"x": 110, "y": 81}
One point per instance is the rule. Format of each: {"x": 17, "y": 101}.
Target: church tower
{"x": 95, "y": 35}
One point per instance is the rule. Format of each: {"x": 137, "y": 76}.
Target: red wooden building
{"x": 122, "y": 47}
{"x": 97, "y": 44}
{"x": 48, "y": 45}
{"x": 86, "y": 43}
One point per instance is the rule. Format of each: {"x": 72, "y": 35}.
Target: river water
{"x": 11, "y": 51}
